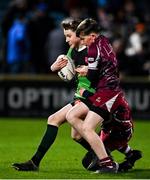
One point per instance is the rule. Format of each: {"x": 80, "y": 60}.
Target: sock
{"x": 106, "y": 161}
{"x": 47, "y": 141}
{"x": 84, "y": 144}
{"x": 125, "y": 150}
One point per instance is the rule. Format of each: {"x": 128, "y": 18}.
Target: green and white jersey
{"x": 78, "y": 57}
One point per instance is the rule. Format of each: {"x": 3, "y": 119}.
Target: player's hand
{"x": 60, "y": 62}
{"x": 82, "y": 70}
{"x": 77, "y": 101}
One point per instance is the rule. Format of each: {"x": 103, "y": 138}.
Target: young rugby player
{"x": 78, "y": 53}
{"x": 108, "y": 98}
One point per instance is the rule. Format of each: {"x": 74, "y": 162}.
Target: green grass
{"x": 19, "y": 139}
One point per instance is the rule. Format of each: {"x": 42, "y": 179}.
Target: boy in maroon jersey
{"x": 108, "y": 99}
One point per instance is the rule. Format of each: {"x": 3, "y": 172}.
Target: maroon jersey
{"x": 103, "y": 65}
{"x": 104, "y": 76}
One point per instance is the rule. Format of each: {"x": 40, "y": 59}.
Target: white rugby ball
{"x": 67, "y": 72}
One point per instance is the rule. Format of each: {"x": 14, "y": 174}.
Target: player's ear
{"x": 93, "y": 35}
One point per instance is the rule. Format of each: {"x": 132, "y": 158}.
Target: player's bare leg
{"x": 87, "y": 130}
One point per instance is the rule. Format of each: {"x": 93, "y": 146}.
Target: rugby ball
{"x": 67, "y": 73}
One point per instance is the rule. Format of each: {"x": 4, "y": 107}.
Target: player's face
{"x": 88, "y": 39}
{"x": 71, "y": 38}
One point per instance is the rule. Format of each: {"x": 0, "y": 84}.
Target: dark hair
{"x": 70, "y": 23}
{"x": 87, "y": 26}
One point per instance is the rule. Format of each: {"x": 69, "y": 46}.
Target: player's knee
{"x": 52, "y": 120}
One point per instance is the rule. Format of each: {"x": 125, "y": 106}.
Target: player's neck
{"x": 81, "y": 47}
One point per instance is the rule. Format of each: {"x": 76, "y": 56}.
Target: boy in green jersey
{"x": 77, "y": 52}
{"x": 78, "y": 56}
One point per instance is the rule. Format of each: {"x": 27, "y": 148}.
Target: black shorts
{"x": 102, "y": 112}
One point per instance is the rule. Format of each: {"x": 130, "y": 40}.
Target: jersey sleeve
{"x": 93, "y": 64}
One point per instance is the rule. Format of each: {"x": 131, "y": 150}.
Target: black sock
{"x": 47, "y": 141}
{"x": 84, "y": 144}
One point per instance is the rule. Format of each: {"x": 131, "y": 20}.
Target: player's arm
{"x": 82, "y": 70}
{"x": 61, "y": 61}
{"x": 93, "y": 63}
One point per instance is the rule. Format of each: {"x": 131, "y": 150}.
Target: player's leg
{"x": 79, "y": 139}
{"x": 87, "y": 129}
{"x": 54, "y": 121}
{"x": 118, "y": 140}
{"x": 91, "y": 158}
{"x": 122, "y": 115}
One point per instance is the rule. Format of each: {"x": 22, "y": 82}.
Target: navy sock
{"x": 84, "y": 144}
{"x": 47, "y": 141}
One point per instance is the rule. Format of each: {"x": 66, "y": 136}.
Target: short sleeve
{"x": 93, "y": 57}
